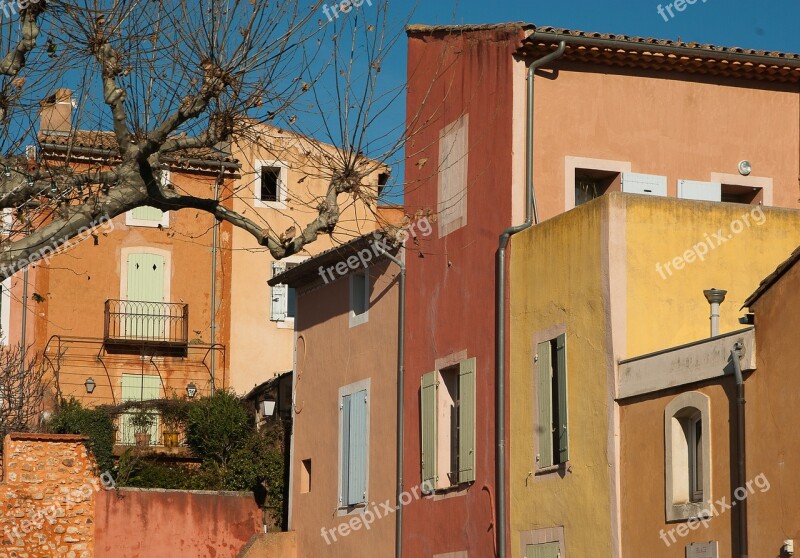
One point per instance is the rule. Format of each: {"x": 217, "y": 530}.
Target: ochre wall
{"x": 132, "y": 523}
{"x": 332, "y": 355}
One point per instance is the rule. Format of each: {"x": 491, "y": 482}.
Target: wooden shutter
{"x": 278, "y": 295}
{"x": 147, "y": 213}
{"x": 544, "y": 390}
{"x": 146, "y": 277}
{"x": 561, "y": 381}
{"x": 345, "y": 443}
{"x": 545, "y": 550}
{"x": 357, "y": 468}
{"x": 466, "y": 421}
{"x": 428, "y": 421}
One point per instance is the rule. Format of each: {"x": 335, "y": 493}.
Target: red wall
{"x": 454, "y": 284}
{"x": 133, "y": 523}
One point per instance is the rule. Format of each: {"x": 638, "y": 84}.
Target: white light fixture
{"x": 745, "y": 168}
{"x": 191, "y": 390}
{"x": 90, "y": 385}
{"x": 267, "y": 407}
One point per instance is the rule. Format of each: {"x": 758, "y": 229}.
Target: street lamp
{"x": 90, "y": 385}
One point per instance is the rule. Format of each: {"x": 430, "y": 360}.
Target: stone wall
{"x": 47, "y": 497}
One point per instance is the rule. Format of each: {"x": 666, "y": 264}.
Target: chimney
{"x": 715, "y": 297}
{"x": 56, "y": 113}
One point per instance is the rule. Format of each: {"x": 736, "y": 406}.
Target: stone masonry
{"x": 47, "y": 497}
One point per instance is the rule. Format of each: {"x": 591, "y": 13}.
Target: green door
{"x": 546, "y": 550}
{"x": 136, "y": 387}
{"x": 144, "y": 314}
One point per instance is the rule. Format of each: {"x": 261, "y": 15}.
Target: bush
{"x": 72, "y": 418}
{"x": 217, "y": 426}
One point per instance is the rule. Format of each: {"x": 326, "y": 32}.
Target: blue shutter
{"x": 279, "y": 296}
{"x": 357, "y": 482}
{"x": 344, "y": 468}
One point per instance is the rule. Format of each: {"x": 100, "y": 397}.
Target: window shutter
{"x": 561, "y": 369}
{"x": 704, "y": 191}
{"x": 345, "y": 439}
{"x": 649, "y": 184}
{"x": 279, "y": 296}
{"x": 545, "y": 550}
{"x": 466, "y": 421}
{"x": 357, "y": 482}
{"x": 428, "y": 420}
{"x": 147, "y": 213}
{"x": 544, "y": 389}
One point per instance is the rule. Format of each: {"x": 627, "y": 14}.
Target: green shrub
{"x": 217, "y": 426}
{"x": 72, "y": 418}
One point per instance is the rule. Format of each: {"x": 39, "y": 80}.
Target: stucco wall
{"x": 132, "y": 523}
{"x": 332, "y": 355}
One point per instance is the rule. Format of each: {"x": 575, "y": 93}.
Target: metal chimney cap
{"x": 715, "y": 295}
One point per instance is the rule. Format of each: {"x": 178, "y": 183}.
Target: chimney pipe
{"x": 56, "y": 113}
{"x": 715, "y": 297}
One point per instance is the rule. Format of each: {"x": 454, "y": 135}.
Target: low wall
{"x": 46, "y": 498}
{"x": 271, "y": 545}
{"x": 133, "y": 523}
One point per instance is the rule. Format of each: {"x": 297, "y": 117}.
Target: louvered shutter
{"x": 428, "y": 421}
{"x": 544, "y": 390}
{"x": 562, "y": 436}
{"x": 279, "y": 296}
{"x": 466, "y": 421}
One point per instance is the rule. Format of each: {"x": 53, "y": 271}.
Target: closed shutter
{"x": 146, "y": 277}
{"x": 466, "y": 421}
{"x": 544, "y": 390}
{"x": 428, "y": 421}
{"x": 703, "y": 191}
{"x": 546, "y": 550}
{"x": 279, "y": 296}
{"x": 147, "y": 213}
{"x": 357, "y": 482}
{"x": 649, "y": 184}
{"x": 345, "y": 465}
{"x": 561, "y": 381}
{"x": 136, "y": 387}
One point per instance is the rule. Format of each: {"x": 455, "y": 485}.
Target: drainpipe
{"x": 531, "y": 217}
{"x": 214, "y": 289}
{"x": 736, "y": 354}
{"x": 401, "y": 335}
{"x": 715, "y": 297}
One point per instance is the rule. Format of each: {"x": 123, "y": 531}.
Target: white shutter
{"x": 648, "y": 184}
{"x": 703, "y": 191}
{"x": 279, "y": 296}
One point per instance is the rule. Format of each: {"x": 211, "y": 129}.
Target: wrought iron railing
{"x": 141, "y": 321}
{"x": 156, "y": 435}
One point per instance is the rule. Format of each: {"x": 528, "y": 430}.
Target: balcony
{"x": 133, "y": 326}
{"x": 157, "y": 439}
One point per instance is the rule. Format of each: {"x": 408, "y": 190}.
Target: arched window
{"x": 688, "y": 456}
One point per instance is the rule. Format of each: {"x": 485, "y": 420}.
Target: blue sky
{"x": 766, "y": 26}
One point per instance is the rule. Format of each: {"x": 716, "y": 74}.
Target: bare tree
{"x": 172, "y": 78}
{"x": 23, "y": 391}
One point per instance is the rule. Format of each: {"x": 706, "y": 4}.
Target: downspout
{"x": 401, "y": 335}
{"x": 214, "y": 290}
{"x": 736, "y": 354}
{"x": 531, "y": 217}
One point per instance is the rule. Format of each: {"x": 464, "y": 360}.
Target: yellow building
{"x": 615, "y": 278}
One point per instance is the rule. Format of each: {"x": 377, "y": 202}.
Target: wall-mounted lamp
{"x": 90, "y": 384}
{"x": 267, "y": 407}
{"x": 745, "y": 168}
{"x": 191, "y": 390}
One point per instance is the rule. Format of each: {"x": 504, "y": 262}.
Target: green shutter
{"x": 137, "y": 387}
{"x": 357, "y": 459}
{"x": 561, "y": 381}
{"x": 466, "y": 421}
{"x": 544, "y": 390}
{"x": 147, "y": 213}
{"x": 146, "y": 277}
{"x": 428, "y": 421}
{"x": 546, "y": 550}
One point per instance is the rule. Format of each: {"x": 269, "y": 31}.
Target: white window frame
{"x": 678, "y": 492}
{"x": 356, "y": 320}
{"x": 283, "y": 186}
{"x": 572, "y": 164}
{"x": 5, "y": 311}
{"x": 343, "y": 391}
{"x": 131, "y": 221}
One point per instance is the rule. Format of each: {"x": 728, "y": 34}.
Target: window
{"x": 448, "y": 426}
{"x": 552, "y": 432}
{"x": 543, "y": 550}
{"x": 591, "y": 184}
{"x": 751, "y": 195}
{"x": 353, "y": 444}
{"x": 359, "y": 297}
{"x": 271, "y": 184}
{"x": 283, "y": 305}
{"x": 453, "y": 166}
{"x": 305, "y": 477}
{"x": 687, "y": 456}
{"x": 146, "y": 216}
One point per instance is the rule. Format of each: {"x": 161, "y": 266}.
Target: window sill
{"x": 447, "y": 492}
{"x": 288, "y": 323}
{"x": 685, "y": 512}
{"x": 269, "y": 205}
{"x": 351, "y": 510}
{"x": 357, "y": 320}
{"x": 561, "y": 469}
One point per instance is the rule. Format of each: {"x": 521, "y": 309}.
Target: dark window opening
{"x": 270, "y": 184}
{"x": 749, "y": 195}
{"x": 591, "y": 184}
{"x": 383, "y": 179}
